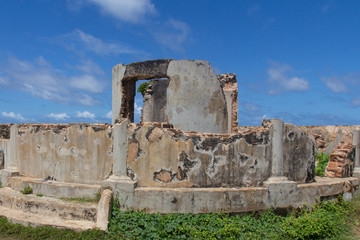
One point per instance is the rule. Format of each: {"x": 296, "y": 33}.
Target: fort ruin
{"x": 187, "y": 155}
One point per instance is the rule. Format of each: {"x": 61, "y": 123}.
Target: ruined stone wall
{"x": 299, "y": 154}
{"x": 168, "y": 157}
{"x": 229, "y": 85}
{"x": 154, "y": 101}
{"x": 195, "y": 100}
{"x": 328, "y": 137}
{"x": 80, "y": 153}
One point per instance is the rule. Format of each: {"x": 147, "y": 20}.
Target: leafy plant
{"x": 26, "y": 190}
{"x": 143, "y": 87}
{"x": 326, "y": 220}
{"x": 39, "y": 195}
{"x": 322, "y": 161}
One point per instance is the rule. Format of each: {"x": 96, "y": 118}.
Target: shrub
{"x": 26, "y": 190}
{"x": 143, "y": 87}
{"x": 322, "y": 161}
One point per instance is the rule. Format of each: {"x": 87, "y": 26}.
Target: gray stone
{"x": 195, "y": 100}
{"x": 104, "y": 210}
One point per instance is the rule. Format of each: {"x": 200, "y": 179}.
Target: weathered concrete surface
{"x": 120, "y": 146}
{"x": 195, "y": 99}
{"x": 39, "y": 211}
{"x": 147, "y": 69}
{"x": 200, "y": 200}
{"x": 327, "y": 188}
{"x": 117, "y": 74}
{"x": 299, "y": 154}
{"x": 170, "y": 158}
{"x": 104, "y": 210}
{"x": 47, "y": 205}
{"x": 3, "y": 152}
{"x": 154, "y": 102}
{"x": 207, "y": 200}
{"x": 356, "y": 144}
{"x": 53, "y": 188}
{"x": 229, "y": 85}
{"x": 75, "y": 153}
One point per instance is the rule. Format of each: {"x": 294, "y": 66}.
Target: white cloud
{"x": 12, "y": 115}
{"x": 134, "y": 11}
{"x": 78, "y": 41}
{"x": 335, "y": 84}
{"x": 87, "y": 82}
{"x": 42, "y": 80}
{"x": 137, "y": 109}
{"x": 109, "y": 115}
{"x": 172, "y": 34}
{"x": 58, "y": 116}
{"x": 280, "y": 75}
{"x": 85, "y": 114}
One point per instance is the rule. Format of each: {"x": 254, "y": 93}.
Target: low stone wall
{"x": 74, "y": 153}
{"x": 168, "y": 157}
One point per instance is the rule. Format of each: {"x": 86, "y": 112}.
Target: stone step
{"x": 53, "y": 188}
{"x": 47, "y": 206}
{"x": 35, "y": 220}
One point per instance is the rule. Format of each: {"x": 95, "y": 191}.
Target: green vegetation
{"x": 26, "y": 190}
{"x": 326, "y": 220}
{"x": 143, "y": 87}
{"x": 39, "y": 195}
{"x": 16, "y": 231}
{"x": 322, "y": 161}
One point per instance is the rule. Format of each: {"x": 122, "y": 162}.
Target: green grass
{"x": 322, "y": 161}
{"x": 94, "y": 199}
{"x": 326, "y": 220}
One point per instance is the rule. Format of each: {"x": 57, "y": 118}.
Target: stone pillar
{"x": 117, "y": 75}
{"x": 120, "y": 149}
{"x": 10, "y": 168}
{"x": 277, "y": 161}
{"x": 281, "y": 191}
{"x": 356, "y": 144}
{"x": 122, "y": 186}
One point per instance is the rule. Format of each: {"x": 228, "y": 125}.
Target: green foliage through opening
{"x": 322, "y": 161}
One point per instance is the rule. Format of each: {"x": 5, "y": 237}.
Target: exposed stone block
{"x": 341, "y": 161}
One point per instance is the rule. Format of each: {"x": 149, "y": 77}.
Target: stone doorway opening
{"x": 146, "y": 100}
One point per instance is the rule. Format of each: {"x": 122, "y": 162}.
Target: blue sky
{"x": 295, "y": 60}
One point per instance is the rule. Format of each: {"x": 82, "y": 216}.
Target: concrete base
{"x": 123, "y": 189}
{"x": 278, "y": 193}
{"x": 6, "y": 175}
{"x": 356, "y": 172}
{"x": 282, "y": 192}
